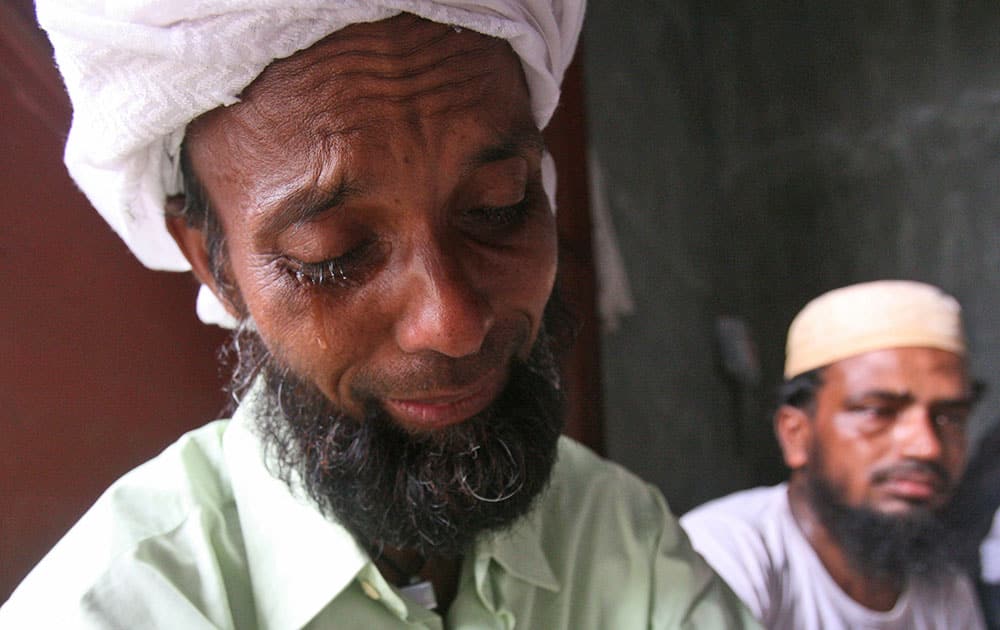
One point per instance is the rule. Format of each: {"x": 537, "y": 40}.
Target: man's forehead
{"x": 364, "y": 78}
{"x": 331, "y": 125}
{"x": 354, "y": 91}
{"x": 394, "y": 58}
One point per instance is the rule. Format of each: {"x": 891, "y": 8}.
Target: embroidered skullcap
{"x": 872, "y": 316}
{"x": 138, "y": 71}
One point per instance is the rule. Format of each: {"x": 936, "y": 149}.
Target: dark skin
{"x": 386, "y": 227}
{"x": 876, "y": 414}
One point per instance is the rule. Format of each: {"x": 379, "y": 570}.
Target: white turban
{"x": 872, "y": 316}
{"x": 138, "y": 71}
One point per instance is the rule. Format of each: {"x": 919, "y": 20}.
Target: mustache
{"x": 430, "y": 371}
{"x": 915, "y": 468}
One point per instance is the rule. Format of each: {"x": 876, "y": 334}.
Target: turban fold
{"x": 138, "y": 71}
{"x": 872, "y": 316}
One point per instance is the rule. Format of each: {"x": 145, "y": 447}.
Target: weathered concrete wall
{"x": 757, "y": 154}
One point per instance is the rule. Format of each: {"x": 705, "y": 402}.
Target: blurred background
{"x": 757, "y": 154}
{"x": 721, "y": 163}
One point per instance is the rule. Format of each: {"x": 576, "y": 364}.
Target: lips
{"x": 429, "y": 411}
{"x": 914, "y": 487}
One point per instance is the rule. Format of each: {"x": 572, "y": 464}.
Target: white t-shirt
{"x": 751, "y": 539}
{"x": 989, "y": 553}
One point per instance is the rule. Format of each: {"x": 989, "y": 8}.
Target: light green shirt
{"x": 203, "y": 536}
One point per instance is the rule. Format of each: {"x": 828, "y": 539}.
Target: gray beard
{"x": 435, "y": 493}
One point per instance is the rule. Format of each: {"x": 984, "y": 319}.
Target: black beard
{"x": 888, "y": 546}
{"x": 437, "y": 492}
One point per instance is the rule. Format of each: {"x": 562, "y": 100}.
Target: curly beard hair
{"x": 436, "y": 492}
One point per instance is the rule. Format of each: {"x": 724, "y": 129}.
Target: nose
{"x": 918, "y": 434}
{"x": 444, "y": 310}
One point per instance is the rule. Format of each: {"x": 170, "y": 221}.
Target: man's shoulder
{"x": 601, "y": 525}
{"x": 592, "y": 508}
{"x": 576, "y": 459}
{"x": 594, "y": 496}
{"x": 744, "y": 537}
{"x": 582, "y": 475}
{"x": 746, "y": 506}
{"x": 169, "y": 502}
{"x": 747, "y": 524}
{"x": 189, "y": 474}
{"x": 946, "y": 600}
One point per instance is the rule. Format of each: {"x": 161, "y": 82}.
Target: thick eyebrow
{"x": 966, "y": 402}
{"x": 906, "y": 398}
{"x": 515, "y": 144}
{"x": 304, "y": 205}
{"x": 883, "y": 395}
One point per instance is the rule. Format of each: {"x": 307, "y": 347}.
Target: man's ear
{"x": 191, "y": 241}
{"x": 793, "y": 428}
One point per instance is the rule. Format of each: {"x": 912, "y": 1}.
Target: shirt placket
{"x": 375, "y": 587}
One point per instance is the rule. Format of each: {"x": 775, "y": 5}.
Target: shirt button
{"x": 370, "y": 590}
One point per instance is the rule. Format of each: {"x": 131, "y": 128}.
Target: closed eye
{"x": 492, "y": 224}
{"x": 344, "y": 271}
{"x": 500, "y": 217}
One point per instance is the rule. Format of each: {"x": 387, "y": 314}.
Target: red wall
{"x": 102, "y": 362}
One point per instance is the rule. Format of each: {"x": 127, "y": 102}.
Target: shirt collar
{"x": 519, "y": 551}
{"x": 291, "y": 548}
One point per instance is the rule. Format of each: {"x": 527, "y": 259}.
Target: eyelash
{"x": 506, "y": 218}
{"x": 342, "y": 271}
{"x": 336, "y": 272}
{"x": 503, "y": 216}
{"x": 329, "y": 272}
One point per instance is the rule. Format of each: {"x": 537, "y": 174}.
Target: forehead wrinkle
{"x": 381, "y": 42}
{"x": 409, "y": 83}
{"x": 456, "y": 74}
{"x": 398, "y": 65}
{"x": 323, "y": 185}
{"x": 381, "y": 65}
{"x": 249, "y": 125}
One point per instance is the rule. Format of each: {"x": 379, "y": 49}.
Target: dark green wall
{"x": 756, "y": 154}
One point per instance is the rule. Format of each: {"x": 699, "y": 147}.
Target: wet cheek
{"x": 284, "y": 314}
{"x": 324, "y": 336}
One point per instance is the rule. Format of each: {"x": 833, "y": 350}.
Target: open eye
{"x": 950, "y": 418}
{"x": 875, "y": 411}
{"x": 874, "y": 417}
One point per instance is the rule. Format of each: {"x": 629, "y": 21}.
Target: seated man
{"x": 872, "y": 425}
{"x": 366, "y": 193}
